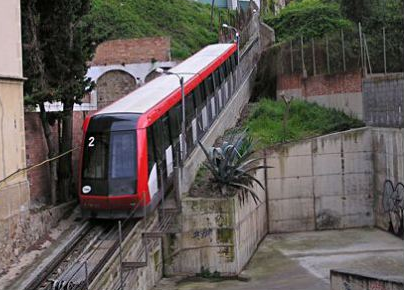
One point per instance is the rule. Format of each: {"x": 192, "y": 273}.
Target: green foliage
{"x": 307, "y": 18}
{"x": 231, "y": 165}
{"x": 205, "y": 273}
{"x": 186, "y": 22}
{"x": 56, "y": 48}
{"x": 305, "y": 120}
{"x": 356, "y": 10}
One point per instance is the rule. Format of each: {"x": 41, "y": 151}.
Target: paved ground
{"x": 303, "y": 260}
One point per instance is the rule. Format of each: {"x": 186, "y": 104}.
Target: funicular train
{"x": 129, "y": 148}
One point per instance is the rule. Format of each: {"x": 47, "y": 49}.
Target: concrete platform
{"x": 304, "y": 260}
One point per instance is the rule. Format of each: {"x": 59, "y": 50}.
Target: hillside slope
{"x": 187, "y": 22}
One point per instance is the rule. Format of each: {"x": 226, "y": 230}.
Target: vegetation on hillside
{"x": 265, "y": 122}
{"x": 186, "y": 22}
{"x": 307, "y": 18}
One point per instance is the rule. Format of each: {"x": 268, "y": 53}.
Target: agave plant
{"x": 232, "y": 166}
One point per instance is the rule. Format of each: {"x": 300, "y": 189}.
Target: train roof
{"x": 148, "y": 96}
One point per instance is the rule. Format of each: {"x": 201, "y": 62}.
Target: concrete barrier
{"x": 351, "y": 280}
{"x": 388, "y": 144}
{"x": 218, "y": 235}
{"x": 383, "y": 100}
{"x": 321, "y": 183}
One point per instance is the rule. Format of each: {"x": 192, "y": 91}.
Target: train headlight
{"x": 86, "y": 189}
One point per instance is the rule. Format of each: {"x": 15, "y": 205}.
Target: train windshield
{"x": 110, "y": 155}
{"x": 95, "y": 162}
{"x": 123, "y": 158}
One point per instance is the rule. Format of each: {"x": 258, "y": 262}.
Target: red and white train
{"x": 129, "y": 147}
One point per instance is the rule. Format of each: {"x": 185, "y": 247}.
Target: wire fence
{"x": 345, "y": 50}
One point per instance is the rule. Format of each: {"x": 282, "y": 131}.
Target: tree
{"x": 212, "y": 9}
{"x": 356, "y": 10}
{"x": 56, "y": 46}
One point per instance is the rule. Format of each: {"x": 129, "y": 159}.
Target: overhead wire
{"x": 28, "y": 168}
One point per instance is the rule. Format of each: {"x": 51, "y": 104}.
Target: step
{"x": 133, "y": 265}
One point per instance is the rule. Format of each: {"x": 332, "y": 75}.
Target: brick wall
{"x": 36, "y": 152}
{"x": 339, "y": 91}
{"x": 321, "y": 84}
{"x": 112, "y": 86}
{"x": 133, "y": 51}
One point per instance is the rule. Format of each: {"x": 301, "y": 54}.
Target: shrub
{"x": 307, "y": 18}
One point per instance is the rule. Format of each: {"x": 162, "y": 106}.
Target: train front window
{"x": 95, "y": 163}
{"x": 123, "y": 157}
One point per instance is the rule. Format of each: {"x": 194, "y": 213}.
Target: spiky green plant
{"x": 232, "y": 165}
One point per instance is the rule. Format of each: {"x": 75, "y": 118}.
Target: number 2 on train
{"x": 91, "y": 142}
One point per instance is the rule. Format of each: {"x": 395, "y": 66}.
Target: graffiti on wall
{"x": 393, "y": 205}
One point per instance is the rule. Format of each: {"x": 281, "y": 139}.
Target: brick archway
{"x": 114, "y": 85}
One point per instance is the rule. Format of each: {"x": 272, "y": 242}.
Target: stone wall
{"x": 321, "y": 183}
{"x": 217, "y": 234}
{"x": 339, "y": 91}
{"x": 383, "y": 100}
{"x": 343, "y": 280}
{"x": 20, "y": 232}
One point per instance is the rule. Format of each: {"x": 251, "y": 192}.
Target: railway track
{"x": 76, "y": 265}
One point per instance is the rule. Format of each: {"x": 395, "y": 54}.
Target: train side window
{"x": 158, "y": 140}
{"x": 175, "y": 122}
{"x": 223, "y": 70}
{"x": 209, "y": 87}
{"x": 150, "y": 149}
{"x": 204, "y": 92}
{"x": 217, "y": 78}
{"x": 228, "y": 66}
{"x": 233, "y": 61}
{"x": 198, "y": 98}
{"x": 189, "y": 108}
{"x": 166, "y": 131}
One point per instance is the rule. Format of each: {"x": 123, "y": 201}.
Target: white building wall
{"x": 10, "y": 39}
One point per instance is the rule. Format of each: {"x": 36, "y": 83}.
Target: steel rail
{"x": 58, "y": 259}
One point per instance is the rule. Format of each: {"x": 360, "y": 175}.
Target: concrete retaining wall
{"x": 322, "y": 183}
{"x": 218, "y": 234}
{"x": 346, "y": 280}
{"x": 388, "y": 147}
{"x": 342, "y": 180}
{"x": 383, "y": 100}
{"x": 133, "y": 250}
